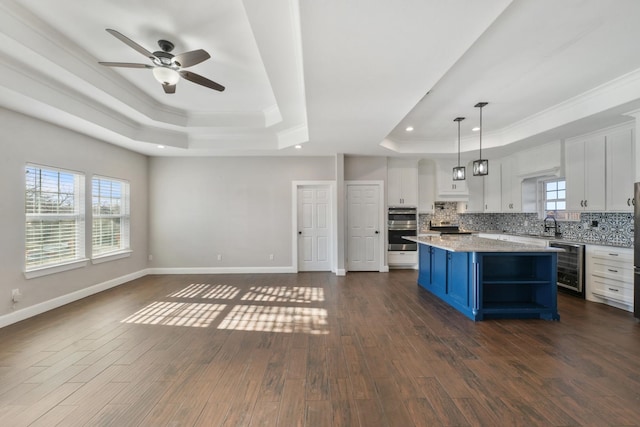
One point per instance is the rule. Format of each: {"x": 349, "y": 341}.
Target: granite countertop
{"x": 472, "y": 243}
{"x": 561, "y": 239}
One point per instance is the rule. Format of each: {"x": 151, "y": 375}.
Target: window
{"x": 554, "y": 201}
{"x": 54, "y": 207}
{"x": 555, "y": 195}
{"x": 110, "y": 207}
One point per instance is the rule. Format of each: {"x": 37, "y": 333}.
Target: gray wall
{"x": 363, "y": 168}
{"x": 25, "y": 139}
{"x": 237, "y": 207}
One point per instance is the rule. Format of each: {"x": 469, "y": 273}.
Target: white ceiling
{"x": 335, "y": 76}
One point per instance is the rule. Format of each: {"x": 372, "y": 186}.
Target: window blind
{"x": 54, "y": 207}
{"x": 110, "y": 208}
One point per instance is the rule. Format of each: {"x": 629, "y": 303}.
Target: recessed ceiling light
{"x": 409, "y": 128}
{"x": 475, "y": 129}
{"x": 160, "y": 146}
{"x": 297, "y": 147}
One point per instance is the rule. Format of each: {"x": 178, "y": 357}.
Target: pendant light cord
{"x": 481, "y": 132}
{"x": 458, "y": 143}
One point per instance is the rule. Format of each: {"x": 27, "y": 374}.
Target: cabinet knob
{"x": 628, "y": 202}
{"x": 633, "y": 202}
{"x": 377, "y": 232}
{"x": 585, "y": 203}
{"x": 582, "y": 203}
{"x": 299, "y": 232}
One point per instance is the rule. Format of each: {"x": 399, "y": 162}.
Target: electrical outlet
{"x": 271, "y": 257}
{"x": 150, "y": 257}
{"x": 219, "y": 257}
{"x": 16, "y": 295}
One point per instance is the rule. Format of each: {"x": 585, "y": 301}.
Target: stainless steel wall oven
{"x": 402, "y": 221}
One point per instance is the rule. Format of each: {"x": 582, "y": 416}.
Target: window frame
{"x": 124, "y": 249}
{"x": 78, "y": 259}
{"x": 558, "y": 214}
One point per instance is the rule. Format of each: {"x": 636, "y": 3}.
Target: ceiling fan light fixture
{"x": 166, "y": 76}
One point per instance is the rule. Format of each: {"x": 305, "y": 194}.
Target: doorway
{"x": 365, "y": 231}
{"x": 314, "y": 229}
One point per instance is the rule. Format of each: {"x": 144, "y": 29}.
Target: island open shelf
{"x": 497, "y": 280}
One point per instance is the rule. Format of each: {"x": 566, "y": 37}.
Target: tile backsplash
{"x": 596, "y": 228}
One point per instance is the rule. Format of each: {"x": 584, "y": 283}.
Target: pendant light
{"x": 480, "y": 166}
{"x": 458, "y": 171}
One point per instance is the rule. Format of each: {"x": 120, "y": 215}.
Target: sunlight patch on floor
{"x": 293, "y": 294}
{"x": 208, "y": 291}
{"x": 198, "y": 315}
{"x": 276, "y": 319}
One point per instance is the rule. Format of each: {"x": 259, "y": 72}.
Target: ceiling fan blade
{"x": 197, "y": 78}
{"x": 126, "y": 40}
{"x": 189, "y": 59}
{"x": 169, "y": 88}
{"x": 124, "y": 64}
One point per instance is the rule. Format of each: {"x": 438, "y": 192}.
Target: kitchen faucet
{"x": 556, "y": 233}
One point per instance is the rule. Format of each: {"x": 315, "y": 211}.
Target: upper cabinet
{"x": 599, "y": 169}
{"x": 511, "y": 186}
{"x": 620, "y": 170}
{"x": 585, "y": 173}
{"x": 485, "y": 194}
{"x": 402, "y": 182}
{"x": 426, "y": 186}
{"x": 447, "y": 188}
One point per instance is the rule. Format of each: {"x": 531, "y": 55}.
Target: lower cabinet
{"x": 402, "y": 259}
{"x": 518, "y": 285}
{"x": 492, "y": 285}
{"x": 458, "y": 272}
{"x": 609, "y": 276}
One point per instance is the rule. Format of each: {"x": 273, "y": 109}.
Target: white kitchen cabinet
{"x": 620, "y": 170}
{"x": 585, "y": 173}
{"x": 402, "y": 182}
{"x": 511, "y": 186}
{"x": 609, "y": 276}
{"x": 426, "y": 186}
{"x": 476, "y": 194}
{"x": 493, "y": 187}
{"x": 447, "y": 188}
{"x": 402, "y": 259}
{"x": 485, "y": 191}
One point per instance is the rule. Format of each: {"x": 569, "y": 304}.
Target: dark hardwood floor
{"x": 313, "y": 349}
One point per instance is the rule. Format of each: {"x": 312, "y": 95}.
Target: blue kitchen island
{"x": 489, "y": 279}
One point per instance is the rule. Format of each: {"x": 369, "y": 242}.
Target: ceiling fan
{"x": 166, "y": 67}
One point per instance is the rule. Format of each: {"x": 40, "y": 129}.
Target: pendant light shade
{"x": 459, "y": 171}
{"x": 480, "y": 166}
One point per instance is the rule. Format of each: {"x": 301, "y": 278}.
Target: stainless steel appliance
{"x": 402, "y": 221}
{"x": 636, "y": 251}
{"x": 446, "y": 227}
{"x": 570, "y": 268}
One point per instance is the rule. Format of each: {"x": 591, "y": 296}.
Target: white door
{"x": 363, "y": 232}
{"x": 314, "y": 228}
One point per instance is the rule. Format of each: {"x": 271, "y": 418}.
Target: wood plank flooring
{"x": 313, "y": 349}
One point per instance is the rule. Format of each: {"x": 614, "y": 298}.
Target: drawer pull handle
{"x": 613, "y": 254}
{"x": 614, "y": 289}
{"x": 613, "y": 271}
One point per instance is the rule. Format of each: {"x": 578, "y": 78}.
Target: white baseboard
{"x": 384, "y": 269}
{"x": 42, "y": 307}
{"x": 222, "y": 270}
{"x": 341, "y": 272}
